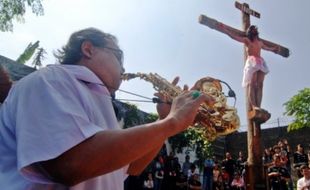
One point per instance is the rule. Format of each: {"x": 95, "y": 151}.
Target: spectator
{"x": 158, "y": 163}
{"x": 217, "y": 179}
{"x": 181, "y": 182}
{"x": 208, "y": 174}
{"x": 159, "y": 176}
{"x": 299, "y": 159}
{"x": 285, "y": 151}
{"x": 193, "y": 170}
{"x": 229, "y": 164}
{"x": 278, "y": 175}
{"x": 283, "y": 157}
{"x": 148, "y": 182}
{"x": 267, "y": 157}
{"x": 186, "y": 165}
{"x": 171, "y": 167}
{"x": 285, "y": 154}
{"x": 194, "y": 182}
{"x": 283, "y": 144}
{"x": 225, "y": 179}
{"x": 238, "y": 182}
{"x": 304, "y": 182}
{"x": 240, "y": 163}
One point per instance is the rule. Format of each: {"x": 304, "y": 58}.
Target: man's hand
{"x": 163, "y": 108}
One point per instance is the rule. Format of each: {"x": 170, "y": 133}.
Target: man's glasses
{"x": 118, "y": 54}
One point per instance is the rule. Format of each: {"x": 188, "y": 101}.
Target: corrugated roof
{"x": 15, "y": 70}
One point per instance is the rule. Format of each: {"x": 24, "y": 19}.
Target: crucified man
{"x": 255, "y": 67}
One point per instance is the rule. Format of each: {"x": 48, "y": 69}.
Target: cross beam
{"x": 216, "y": 25}
{"x": 246, "y": 9}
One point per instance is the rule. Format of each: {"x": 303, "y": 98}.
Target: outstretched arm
{"x": 114, "y": 149}
{"x": 273, "y": 48}
{"x": 231, "y": 34}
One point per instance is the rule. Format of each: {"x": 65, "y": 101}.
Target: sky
{"x": 164, "y": 37}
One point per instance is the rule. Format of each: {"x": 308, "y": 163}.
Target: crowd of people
{"x": 284, "y": 165}
{"x": 167, "y": 173}
{"x": 284, "y": 170}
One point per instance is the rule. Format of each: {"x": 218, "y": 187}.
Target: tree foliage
{"x": 28, "y": 52}
{"x": 134, "y": 116}
{"x": 193, "y": 138}
{"x": 15, "y": 9}
{"x": 39, "y": 57}
{"x": 299, "y": 107}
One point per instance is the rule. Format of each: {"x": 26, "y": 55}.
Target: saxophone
{"x": 216, "y": 120}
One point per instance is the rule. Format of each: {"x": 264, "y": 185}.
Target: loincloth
{"x": 252, "y": 65}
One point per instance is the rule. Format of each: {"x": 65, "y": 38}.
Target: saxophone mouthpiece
{"x": 128, "y": 76}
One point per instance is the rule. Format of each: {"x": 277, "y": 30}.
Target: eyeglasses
{"x": 118, "y": 54}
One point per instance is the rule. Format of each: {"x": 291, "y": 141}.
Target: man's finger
{"x": 175, "y": 81}
{"x": 185, "y": 87}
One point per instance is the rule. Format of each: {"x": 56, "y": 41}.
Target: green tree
{"x": 39, "y": 57}
{"x": 28, "y": 52}
{"x": 299, "y": 107}
{"x": 15, "y": 9}
{"x": 195, "y": 139}
{"x": 133, "y": 116}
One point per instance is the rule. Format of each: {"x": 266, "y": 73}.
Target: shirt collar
{"x": 82, "y": 73}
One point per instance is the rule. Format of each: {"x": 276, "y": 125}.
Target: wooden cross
{"x": 256, "y": 177}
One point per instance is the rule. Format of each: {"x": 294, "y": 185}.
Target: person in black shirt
{"x": 181, "y": 181}
{"x": 300, "y": 158}
{"x": 240, "y": 163}
{"x": 278, "y": 175}
{"x": 230, "y": 165}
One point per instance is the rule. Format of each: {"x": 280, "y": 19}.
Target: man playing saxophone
{"x": 71, "y": 139}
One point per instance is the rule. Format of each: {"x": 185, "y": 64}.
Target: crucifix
{"x": 255, "y": 178}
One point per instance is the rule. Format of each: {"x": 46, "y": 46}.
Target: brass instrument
{"x": 216, "y": 120}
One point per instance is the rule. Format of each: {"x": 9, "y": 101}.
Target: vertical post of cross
{"x": 255, "y": 178}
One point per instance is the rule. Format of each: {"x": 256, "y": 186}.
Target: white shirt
{"x": 149, "y": 184}
{"x": 302, "y": 182}
{"x": 47, "y": 113}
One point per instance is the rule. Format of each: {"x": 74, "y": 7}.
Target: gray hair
{"x": 71, "y": 53}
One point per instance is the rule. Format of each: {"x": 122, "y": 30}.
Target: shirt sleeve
{"x": 50, "y": 119}
{"x": 299, "y": 184}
